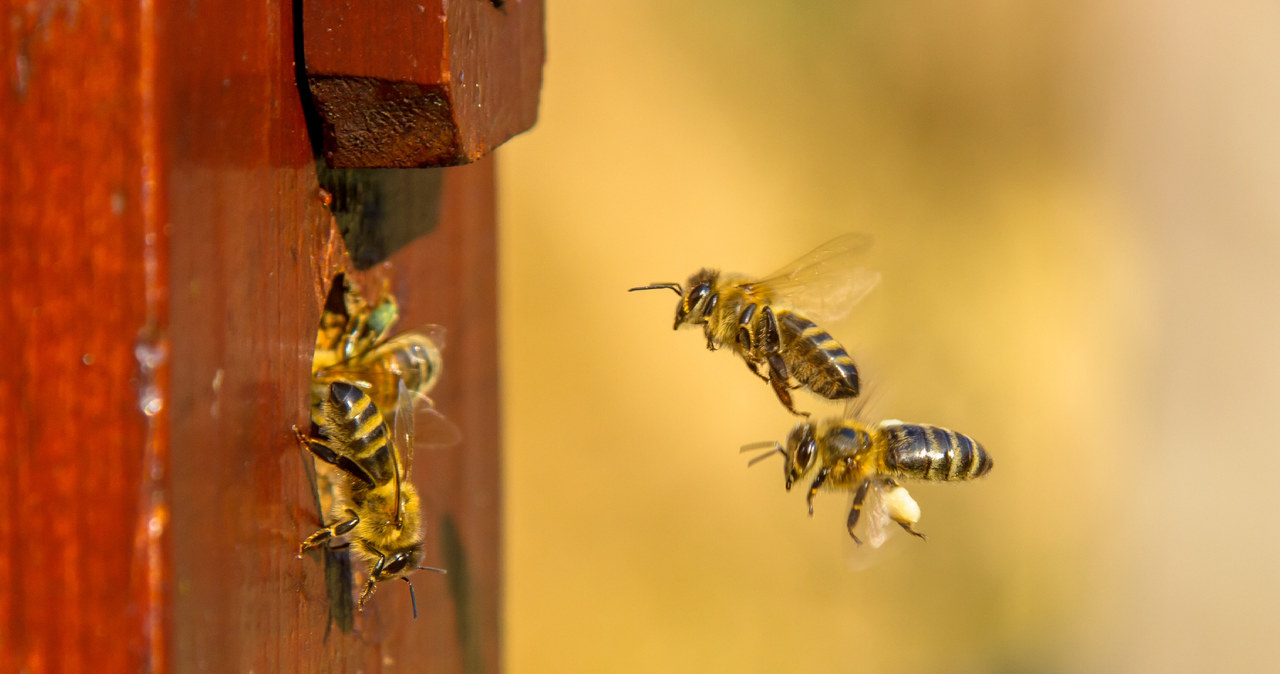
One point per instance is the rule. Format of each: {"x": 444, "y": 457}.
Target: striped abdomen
{"x": 815, "y": 358}
{"x": 932, "y": 453}
{"x": 357, "y": 430}
{"x": 413, "y": 357}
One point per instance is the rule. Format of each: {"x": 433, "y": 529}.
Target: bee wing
{"x": 855, "y": 408}
{"x": 405, "y": 425}
{"x": 873, "y": 525}
{"x": 875, "y": 529}
{"x": 433, "y": 332}
{"x": 403, "y": 436}
{"x": 825, "y": 283}
{"x": 436, "y": 430}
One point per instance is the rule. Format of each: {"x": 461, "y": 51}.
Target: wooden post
{"x": 165, "y": 249}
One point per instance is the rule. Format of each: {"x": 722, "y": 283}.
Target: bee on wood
{"x": 843, "y": 453}
{"x": 376, "y": 508}
{"x": 359, "y": 376}
{"x": 353, "y": 346}
{"x": 770, "y": 322}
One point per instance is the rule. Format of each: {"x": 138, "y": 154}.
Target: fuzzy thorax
{"x": 377, "y": 531}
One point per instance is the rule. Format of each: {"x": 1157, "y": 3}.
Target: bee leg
{"x": 783, "y": 392}
{"x": 325, "y": 453}
{"x": 818, "y": 481}
{"x": 374, "y": 572}
{"x": 768, "y": 344}
{"x": 913, "y": 532}
{"x": 302, "y": 439}
{"x": 368, "y": 592}
{"x": 332, "y": 531}
{"x": 856, "y": 510}
{"x": 754, "y": 366}
{"x": 745, "y": 336}
{"x": 711, "y": 342}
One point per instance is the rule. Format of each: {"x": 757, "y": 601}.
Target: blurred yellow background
{"x": 1077, "y": 217}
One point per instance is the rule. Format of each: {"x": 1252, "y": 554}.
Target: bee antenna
{"x": 432, "y": 568}
{"x": 660, "y": 286}
{"x": 774, "y": 447}
{"x": 412, "y": 599}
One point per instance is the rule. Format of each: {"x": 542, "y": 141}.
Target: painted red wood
{"x": 83, "y": 574}
{"x": 403, "y": 83}
{"x": 164, "y": 251}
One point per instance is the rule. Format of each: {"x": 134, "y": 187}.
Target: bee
{"x": 349, "y": 325}
{"x": 868, "y": 460}
{"x": 767, "y": 321}
{"x": 376, "y": 508}
{"x": 412, "y": 358}
{"x": 352, "y": 346}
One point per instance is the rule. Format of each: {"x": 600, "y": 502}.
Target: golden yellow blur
{"x": 1076, "y": 209}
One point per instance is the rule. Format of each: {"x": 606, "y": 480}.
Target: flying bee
{"x": 376, "y": 508}
{"x": 767, "y": 321}
{"x": 870, "y": 459}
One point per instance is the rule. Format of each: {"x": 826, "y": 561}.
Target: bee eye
{"x": 696, "y": 295}
{"x": 804, "y": 455}
{"x": 396, "y": 565}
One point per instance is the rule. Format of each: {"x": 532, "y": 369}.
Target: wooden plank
{"x": 463, "y": 77}
{"x": 252, "y": 260}
{"x": 82, "y": 567}
{"x": 168, "y": 200}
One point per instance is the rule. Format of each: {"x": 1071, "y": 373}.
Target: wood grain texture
{"x": 401, "y": 83}
{"x": 82, "y": 568}
{"x": 167, "y": 251}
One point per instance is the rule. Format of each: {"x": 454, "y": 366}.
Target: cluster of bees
{"x": 367, "y": 389}
{"x": 772, "y": 324}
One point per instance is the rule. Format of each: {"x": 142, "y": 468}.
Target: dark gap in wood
{"x": 379, "y": 211}
{"x": 315, "y": 124}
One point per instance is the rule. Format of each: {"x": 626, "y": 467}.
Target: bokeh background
{"x": 1076, "y": 215}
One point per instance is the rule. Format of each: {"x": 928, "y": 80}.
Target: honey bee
{"x": 767, "y": 321}
{"x": 412, "y": 358}
{"x": 352, "y": 346}
{"x": 349, "y": 325}
{"x": 869, "y": 459}
{"x": 376, "y": 508}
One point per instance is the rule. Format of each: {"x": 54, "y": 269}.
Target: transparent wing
{"x": 425, "y": 425}
{"x": 403, "y": 436}
{"x": 437, "y": 431}
{"x": 826, "y": 282}
{"x": 874, "y": 525}
{"x": 433, "y": 332}
{"x": 405, "y": 424}
{"x": 856, "y": 408}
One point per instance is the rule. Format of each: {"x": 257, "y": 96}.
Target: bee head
{"x": 697, "y": 301}
{"x": 800, "y": 452}
{"x": 398, "y": 564}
